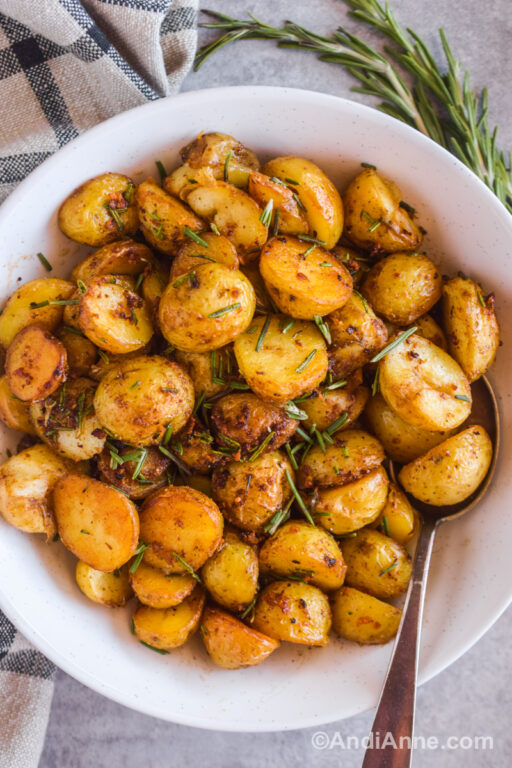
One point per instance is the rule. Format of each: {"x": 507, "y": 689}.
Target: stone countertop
{"x": 471, "y": 698}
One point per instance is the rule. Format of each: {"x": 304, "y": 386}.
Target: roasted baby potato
{"x": 471, "y": 326}
{"x": 138, "y": 399}
{"x": 376, "y": 564}
{"x": 207, "y": 308}
{"x": 398, "y": 519}
{"x": 346, "y": 508}
{"x": 424, "y": 385}
{"x": 248, "y": 420}
{"x": 14, "y": 412}
{"x": 451, "y": 471}
{"x": 317, "y": 194}
{"x": 26, "y": 483}
{"x": 428, "y": 328}
{"x": 157, "y": 589}
{"x": 217, "y": 249}
{"x": 34, "y": 303}
{"x": 153, "y": 287}
{"x": 163, "y": 219}
{"x": 325, "y": 407}
{"x": 249, "y": 493}
{"x": 81, "y": 353}
{"x": 99, "y": 524}
{"x": 402, "y": 287}
{"x": 301, "y": 550}
{"x": 230, "y": 643}
{"x": 374, "y": 216}
{"x": 304, "y": 281}
{"x": 224, "y": 155}
{"x": 168, "y": 628}
{"x": 100, "y": 210}
{"x": 112, "y": 589}
{"x": 357, "y": 335}
{"x": 196, "y": 448}
{"x": 293, "y": 611}
{"x": 362, "y": 618}
{"x": 118, "y": 466}
{"x": 231, "y": 573}
{"x": 204, "y": 368}
{"x": 281, "y": 361}
{"x": 182, "y": 528}
{"x": 353, "y": 454}
{"x": 124, "y": 257}
{"x": 36, "y": 364}
{"x": 288, "y": 216}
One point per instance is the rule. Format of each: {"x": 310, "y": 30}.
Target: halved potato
{"x": 157, "y": 589}
{"x": 185, "y": 178}
{"x": 36, "y": 364}
{"x": 353, "y": 454}
{"x": 124, "y": 257}
{"x": 163, "y": 219}
{"x": 81, "y": 352}
{"x": 117, "y": 466}
{"x": 288, "y": 216}
{"x": 168, "y": 628}
{"x": 38, "y": 302}
{"x": 429, "y": 329}
{"x": 112, "y": 589}
{"x": 376, "y": 564}
{"x": 230, "y": 643}
{"x": 398, "y": 519}
{"x": 14, "y": 412}
{"x": 231, "y": 573}
{"x": 218, "y": 249}
{"x": 293, "y": 611}
{"x": 346, "y": 508}
{"x": 362, "y": 618}
{"x": 357, "y": 335}
{"x": 212, "y": 150}
{"x": 328, "y": 405}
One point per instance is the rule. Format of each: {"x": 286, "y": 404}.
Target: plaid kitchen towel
{"x": 64, "y": 66}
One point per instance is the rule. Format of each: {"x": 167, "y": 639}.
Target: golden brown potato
{"x": 299, "y": 549}
{"x": 398, "y": 519}
{"x": 218, "y": 249}
{"x": 124, "y": 257}
{"x": 81, "y": 353}
{"x": 252, "y": 273}
{"x": 293, "y": 611}
{"x": 402, "y": 441}
{"x": 113, "y": 317}
{"x": 304, "y": 281}
{"x": 38, "y": 302}
{"x": 36, "y": 364}
{"x": 249, "y": 493}
{"x": 248, "y": 420}
{"x": 139, "y": 398}
{"x": 376, "y": 564}
{"x": 223, "y": 155}
{"x": 374, "y": 216}
{"x": 206, "y": 308}
{"x": 118, "y": 466}
{"x": 182, "y": 528}
{"x": 424, "y": 385}
{"x": 355, "y": 261}
{"x": 164, "y": 221}
{"x": 357, "y": 335}
{"x": 14, "y": 412}
{"x": 317, "y": 194}
{"x": 281, "y": 361}
{"x": 157, "y": 589}
{"x": 346, "y": 508}
{"x": 26, "y": 483}
{"x": 99, "y": 524}
{"x": 204, "y": 369}
{"x": 471, "y": 326}
{"x": 451, "y": 471}
{"x": 288, "y": 216}
{"x": 230, "y": 643}
{"x": 328, "y": 405}
{"x": 100, "y": 210}
{"x": 196, "y": 448}
{"x": 112, "y": 589}
{"x": 231, "y": 573}
{"x": 429, "y": 329}
{"x": 184, "y": 179}
{"x": 362, "y": 618}
{"x": 67, "y": 423}
{"x": 353, "y": 454}
{"x": 402, "y": 287}
{"x": 168, "y": 628}
{"x": 153, "y": 286}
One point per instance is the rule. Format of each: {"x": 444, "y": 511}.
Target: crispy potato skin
{"x": 230, "y": 643}
{"x": 362, "y": 618}
{"x": 298, "y": 549}
{"x": 112, "y": 589}
{"x": 398, "y": 519}
{"x": 317, "y": 193}
{"x": 188, "y": 307}
{"x": 357, "y": 335}
{"x": 424, "y": 385}
{"x": 84, "y": 215}
{"x": 168, "y": 628}
{"x": 291, "y": 219}
{"x": 353, "y": 454}
{"x": 26, "y": 483}
{"x": 178, "y": 520}
{"x": 13, "y": 412}
{"x": 163, "y": 218}
{"x": 99, "y": 524}
{"x": 159, "y": 590}
{"x": 231, "y": 574}
{"x": 81, "y": 352}
{"x": 141, "y": 414}
{"x": 368, "y": 556}
{"x": 36, "y": 364}
{"x": 202, "y": 371}
{"x": 271, "y": 371}
{"x": 153, "y": 469}
{"x": 293, "y": 611}
{"x": 370, "y": 198}
{"x": 324, "y": 407}
{"x": 402, "y": 287}
{"x": 210, "y": 150}
{"x": 19, "y": 312}
{"x": 191, "y": 254}
{"x": 303, "y": 287}
{"x": 244, "y": 417}
{"x": 153, "y": 286}
{"x": 471, "y": 326}
{"x": 429, "y": 329}
{"x": 124, "y": 257}
{"x": 451, "y": 471}
{"x": 250, "y": 493}
{"x": 347, "y": 508}
{"x": 196, "y": 448}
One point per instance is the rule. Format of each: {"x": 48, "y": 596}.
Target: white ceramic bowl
{"x": 469, "y": 585}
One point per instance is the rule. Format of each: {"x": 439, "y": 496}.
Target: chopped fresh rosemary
{"x": 337, "y": 384}
{"x": 161, "y": 169}
{"x": 306, "y": 362}
{"x": 394, "y": 344}
{"x": 140, "y": 463}
{"x": 168, "y": 433}
{"x": 375, "y": 383}
{"x": 225, "y": 310}
{"x": 288, "y": 325}
{"x": 256, "y": 453}
{"x": 299, "y": 431}
{"x": 81, "y": 286}
{"x": 308, "y": 251}
{"x": 187, "y": 567}
{"x": 369, "y": 165}
{"x": 292, "y": 181}
{"x": 202, "y": 256}
{"x": 480, "y": 298}
{"x": 385, "y": 525}
{"x": 298, "y": 498}
{"x": 363, "y": 300}
{"x": 340, "y": 421}
{"x": 293, "y": 460}
{"x": 195, "y": 237}
{"x": 275, "y": 228}
{"x": 280, "y": 517}
{"x": 140, "y": 278}
{"x": 263, "y": 333}
{"x": 191, "y": 277}
{"x": 139, "y": 553}
{"x": 309, "y": 239}
{"x": 323, "y": 328}
{"x": 114, "y": 213}
{"x": 103, "y": 356}
{"x": 214, "y": 228}
{"x": 325, "y": 264}
{"x": 152, "y": 648}
{"x": 294, "y": 412}
{"x": 135, "y": 385}
{"x": 248, "y": 610}
{"x": 386, "y": 570}
{"x": 406, "y": 207}
{"x": 127, "y": 194}
{"x": 374, "y": 223}
{"x": 226, "y": 165}
{"x": 44, "y": 261}
{"x": 76, "y": 331}
{"x": 266, "y": 214}
{"x": 463, "y": 397}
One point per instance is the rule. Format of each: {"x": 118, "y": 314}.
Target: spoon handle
{"x": 394, "y": 718}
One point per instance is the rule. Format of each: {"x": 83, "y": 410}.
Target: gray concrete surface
{"x": 474, "y": 696}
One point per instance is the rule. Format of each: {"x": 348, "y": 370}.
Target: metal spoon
{"x": 391, "y": 739}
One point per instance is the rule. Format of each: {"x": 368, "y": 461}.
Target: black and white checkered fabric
{"x": 66, "y": 65}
